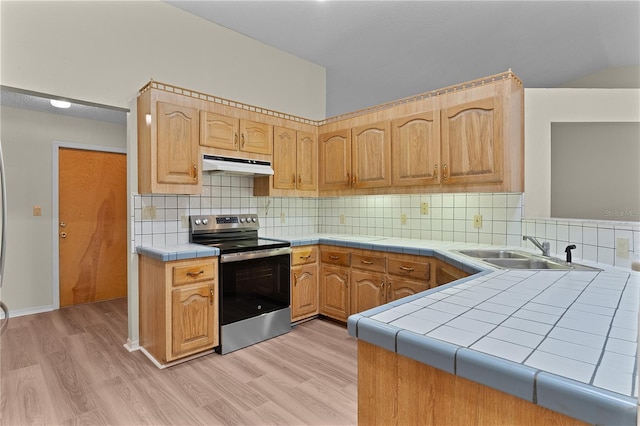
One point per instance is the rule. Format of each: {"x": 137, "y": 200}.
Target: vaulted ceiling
{"x": 378, "y": 51}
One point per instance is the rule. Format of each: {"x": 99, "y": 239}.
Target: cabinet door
{"x": 472, "y": 142}
{"x": 334, "y": 150}
{"x": 178, "y": 153}
{"x": 371, "y": 151}
{"x": 284, "y": 158}
{"x": 399, "y": 288}
{"x": 194, "y": 319}
{"x": 334, "y": 292}
{"x": 368, "y": 291}
{"x": 307, "y": 161}
{"x": 446, "y": 273}
{"x": 218, "y": 131}
{"x": 304, "y": 292}
{"x": 255, "y": 137}
{"x": 415, "y": 147}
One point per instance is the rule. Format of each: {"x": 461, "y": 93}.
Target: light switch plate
{"x": 37, "y": 211}
{"x": 283, "y": 217}
{"x": 622, "y": 248}
{"x": 424, "y": 208}
{"x": 342, "y": 220}
{"x": 185, "y": 221}
{"x": 403, "y": 219}
{"x": 149, "y": 212}
{"x": 477, "y": 221}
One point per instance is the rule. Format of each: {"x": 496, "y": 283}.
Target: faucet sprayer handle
{"x": 568, "y": 251}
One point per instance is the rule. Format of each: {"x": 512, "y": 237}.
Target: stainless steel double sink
{"x": 516, "y": 259}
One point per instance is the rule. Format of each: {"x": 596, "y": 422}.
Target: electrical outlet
{"x": 424, "y": 208}
{"x": 477, "y": 221}
{"x": 185, "y": 221}
{"x": 37, "y": 211}
{"x": 283, "y": 218}
{"x": 403, "y": 219}
{"x": 622, "y": 248}
{"x": 149, "y": 212}
{"x": 342, "y": 220}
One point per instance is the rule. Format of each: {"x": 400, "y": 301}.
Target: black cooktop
{"x": 238, "y": 246}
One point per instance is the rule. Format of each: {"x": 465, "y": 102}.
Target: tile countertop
{"x": 177, "y": 252}
{"x": 565, "y": 340}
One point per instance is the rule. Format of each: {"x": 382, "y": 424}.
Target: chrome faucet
{"x": 545, "y": 246}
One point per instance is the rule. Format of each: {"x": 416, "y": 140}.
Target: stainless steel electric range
{"x": 253, "y": 278}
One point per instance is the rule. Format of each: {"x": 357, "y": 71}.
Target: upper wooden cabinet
{"x": 466, "y": 138}
{"x": 334, "y": 151}
{"x": 355, "y": 158}
{"x": 371, "y": 155}
{"x": 415, "y": 147}
{"x": 472, "y": 142}
{"x": 219, "y": 131}
{"x": 168, "y": 150}
{"x": 237, "y": 135}
{"x": 295, "y": 160}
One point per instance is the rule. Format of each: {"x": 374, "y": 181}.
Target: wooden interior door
{"x": 93, "y": 225}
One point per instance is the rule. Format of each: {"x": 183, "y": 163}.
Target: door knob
{"x": 63, "y": 235}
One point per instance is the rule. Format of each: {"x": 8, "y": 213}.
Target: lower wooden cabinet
{"x": 178, "y": 303}
{"x": 355, "y": 280}
{"x": 368, "y": 290}
{"x": 397, "y": 288}
{"x": 334, "y": 292}
{"x": 304, "y": 292}
{"x": 446, "y": 273}
{"x": 304, "y": 282}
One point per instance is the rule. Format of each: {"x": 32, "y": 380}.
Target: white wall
{"x": 27, "y": 140}
{"x": 544, "y": 106}
{"x": 104, "y": 52}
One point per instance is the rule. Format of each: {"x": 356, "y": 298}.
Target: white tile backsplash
{"x": 450, "y": 218}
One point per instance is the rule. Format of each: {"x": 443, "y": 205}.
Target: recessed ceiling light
{"x": 60, "y": 104}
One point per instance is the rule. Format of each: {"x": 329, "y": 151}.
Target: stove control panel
{"x": 213, "y": 223}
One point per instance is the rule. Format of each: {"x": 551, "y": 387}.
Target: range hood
{"x": 235, "y": 166}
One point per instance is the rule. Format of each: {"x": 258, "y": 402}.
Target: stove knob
{"x": 254, "y": 219}
{"x": 205, "y": 221}
{"x": 197, "y": 221}
{"x": 242, "y": 219}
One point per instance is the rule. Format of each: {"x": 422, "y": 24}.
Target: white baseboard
{"x": 132, "y": 345}
{"x": 171, "y": 364}
{"x": 27, "y": 311}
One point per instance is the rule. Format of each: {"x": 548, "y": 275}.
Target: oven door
{"x": 254, "y": 283}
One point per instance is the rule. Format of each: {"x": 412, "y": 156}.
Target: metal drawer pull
{"x": 211, "y": 296}
{"x": 407, "y": 269}
{"x": 334, "y": 257}
{"x": 305, "y": 257}
{"x": 367, "y": 262}
{"x": 195, "y": 274}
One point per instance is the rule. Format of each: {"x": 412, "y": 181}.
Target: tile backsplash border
{"x": 449, "y": 218}
{"x": 595, "y": 240}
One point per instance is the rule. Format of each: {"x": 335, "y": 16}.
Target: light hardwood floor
{"x": 70, "y": 367}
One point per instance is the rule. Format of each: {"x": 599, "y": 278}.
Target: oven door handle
{"x": 256, "y": 254}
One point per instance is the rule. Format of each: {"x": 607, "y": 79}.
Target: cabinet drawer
{"x": 193, "y": 273}
{"x": 368, "y": 263}
{"x": 304, "y": 255}
{"x": 331, "y": 257}
{"x": 411, "y": 269}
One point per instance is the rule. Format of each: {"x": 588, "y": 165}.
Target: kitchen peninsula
{"x": 533, "y": 345}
